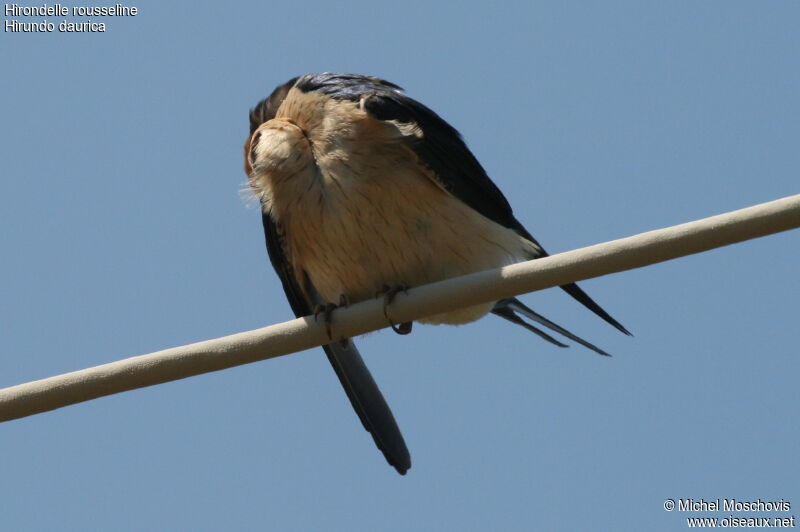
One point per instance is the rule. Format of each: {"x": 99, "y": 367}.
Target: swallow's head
{"x": 321, "y": 105}
{"x": 308, "y": 123}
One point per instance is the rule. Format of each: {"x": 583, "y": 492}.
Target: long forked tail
{"x": 512, "y": 309}
{"x": 369, "y": 404}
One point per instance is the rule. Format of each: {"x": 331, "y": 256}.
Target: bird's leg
{"x": 327, "y": 311}
{"x": 389, "y": 294}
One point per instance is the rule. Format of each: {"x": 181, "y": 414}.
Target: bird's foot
{"x": 389, "y": 293}
{"x": 327, "y": 311}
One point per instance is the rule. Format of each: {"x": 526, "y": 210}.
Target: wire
{"x": 276, "y": 340}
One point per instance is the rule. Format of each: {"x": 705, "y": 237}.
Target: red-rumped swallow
{"x": 363, "y": 188}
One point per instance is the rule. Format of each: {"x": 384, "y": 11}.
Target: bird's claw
{"x": 327, "y": 311}
{"x": 403, "y": 328}
{"x": 389, "y": 293}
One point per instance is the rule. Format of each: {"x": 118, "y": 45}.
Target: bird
{"x": 366, "y": 191}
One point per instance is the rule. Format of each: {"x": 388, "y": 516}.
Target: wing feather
{"x": 443, "y": 151}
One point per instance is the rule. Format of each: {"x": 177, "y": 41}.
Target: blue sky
{"x": 123, "y": 232}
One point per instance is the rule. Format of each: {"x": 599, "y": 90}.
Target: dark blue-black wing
{"x": 442, "y": 150}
